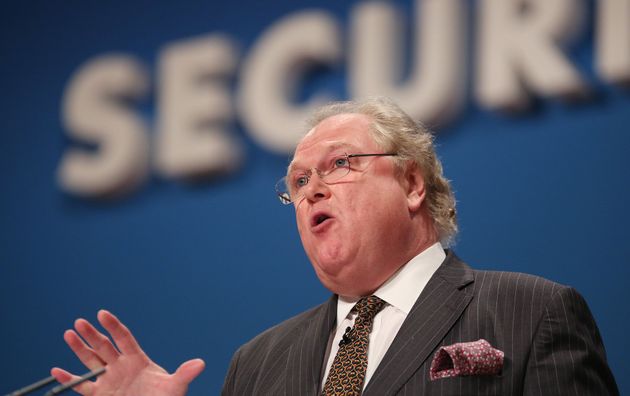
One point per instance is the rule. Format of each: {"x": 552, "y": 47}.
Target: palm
{"x": 129, "y": 369}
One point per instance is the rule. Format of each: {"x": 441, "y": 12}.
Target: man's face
{"x": 365, "y": 233}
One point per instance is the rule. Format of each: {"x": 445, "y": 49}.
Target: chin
{"x": 331, "y": 260}
{"x": 337, "y": 278}
{"x": 347, "y": 279}
{"x": 346, "y": 288}
{"x": 335, "y": 286}
{"x": 328, "y": 269}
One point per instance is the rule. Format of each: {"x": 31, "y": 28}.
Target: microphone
{"x": 346, "y": 338}
{"x": 58, "y": 389}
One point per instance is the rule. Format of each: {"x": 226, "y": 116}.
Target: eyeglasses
{"x": 291, "y": 187}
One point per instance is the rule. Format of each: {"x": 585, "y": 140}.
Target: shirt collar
{"x": 403, "y": 288}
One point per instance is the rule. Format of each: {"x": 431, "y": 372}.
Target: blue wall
{"x": 192, "y": 269}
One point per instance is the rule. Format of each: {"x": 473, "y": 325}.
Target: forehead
{"x": 349, "y": 132}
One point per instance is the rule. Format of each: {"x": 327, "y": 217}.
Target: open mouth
{"x": 319, "y": 218}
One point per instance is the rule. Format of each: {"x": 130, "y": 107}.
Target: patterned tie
{"x": 347, "y": 372}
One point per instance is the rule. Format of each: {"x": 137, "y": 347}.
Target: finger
{"x": 85, "y": 354}
{"x": 84, "y": 388}
{"x": 189, "y": 370}
{"x": 99, "y": 342}
{"x": 123, "y": 338}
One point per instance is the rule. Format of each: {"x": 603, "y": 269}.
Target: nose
{"x": 316, "y": 189}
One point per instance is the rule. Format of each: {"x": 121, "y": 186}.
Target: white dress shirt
{"x": 399, "y": 292}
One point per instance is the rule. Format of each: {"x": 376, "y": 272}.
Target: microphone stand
{"x": 32, "y": 387}
{"x": 59, "y": 388}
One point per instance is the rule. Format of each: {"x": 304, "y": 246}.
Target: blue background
{"x": 197, "y": 270}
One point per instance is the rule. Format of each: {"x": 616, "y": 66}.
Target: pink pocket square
{"x": 466, "y": 358}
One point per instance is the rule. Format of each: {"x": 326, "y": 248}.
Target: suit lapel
{"x": 304, "y": 365}
{"x": 438, "y": 307}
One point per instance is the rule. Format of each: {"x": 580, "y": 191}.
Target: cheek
{"x": 380, "y": 215}
{"x": 304, "y": 230}
{"x": 301, "y": 219}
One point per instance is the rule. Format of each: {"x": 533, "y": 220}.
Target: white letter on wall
{"x": 518, "y": 51}
{"x": 435, "y": 89}
{"x": 194, "y": 106}
{"x": 613, "y": 40}
{"x": 94, "y": 112}
{"x": 272, "y": 72}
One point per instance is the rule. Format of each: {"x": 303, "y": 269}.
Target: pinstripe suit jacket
{"x": 551, "y": 343}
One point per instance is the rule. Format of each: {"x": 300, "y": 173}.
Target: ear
{"x": 414, "y": 187}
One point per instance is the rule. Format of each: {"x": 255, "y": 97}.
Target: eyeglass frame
{"x": 285, "y": 197}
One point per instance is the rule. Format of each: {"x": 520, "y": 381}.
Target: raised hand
{"x": 129, "y": 370}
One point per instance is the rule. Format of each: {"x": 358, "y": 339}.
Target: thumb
{"x": 189, "y": 370}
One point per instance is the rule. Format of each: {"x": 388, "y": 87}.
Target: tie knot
{"x": 368, "y": 307}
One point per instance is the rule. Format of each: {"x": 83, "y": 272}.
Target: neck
{"x": 424, "y": 234}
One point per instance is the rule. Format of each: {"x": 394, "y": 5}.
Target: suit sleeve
{"x": 229, "y": 386}
{"x": 568, "y": 356}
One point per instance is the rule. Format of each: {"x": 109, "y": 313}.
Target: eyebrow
{"x": 334, "y": 146}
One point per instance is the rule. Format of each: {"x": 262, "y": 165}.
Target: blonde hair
{"x": 394, "y": 131}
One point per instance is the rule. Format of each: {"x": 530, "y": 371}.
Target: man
{"x": 374, "y": 211}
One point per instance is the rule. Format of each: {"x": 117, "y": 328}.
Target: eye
{"x": 341, "y": 162}
{"x": 300, "y": 181}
